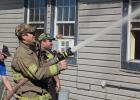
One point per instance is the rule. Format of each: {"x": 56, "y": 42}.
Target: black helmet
{"x": 5, "y": 50}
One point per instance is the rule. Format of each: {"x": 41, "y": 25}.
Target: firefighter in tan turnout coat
{"x": 46, "y": 43}
{"x": 26, "y": 64}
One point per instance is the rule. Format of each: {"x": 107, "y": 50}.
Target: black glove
{"x": 5, "y": 50}
{"x": 43, "y": 54}
{"x": 65, "y": 54}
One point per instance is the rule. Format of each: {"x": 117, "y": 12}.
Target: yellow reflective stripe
{"x": 63, "y": 54}
{"x": 66, "y": 53}
{"x": 32, "y": 69}
{"x": 46, "y": 96}
{"x": 50, "y": 56}
{"x": 17, "y": 76}
{"x": 53, "y": 70}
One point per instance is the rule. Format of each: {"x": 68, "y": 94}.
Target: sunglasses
{"x": 47, "y": 40}
{"x": 50, "y": 40}
{"x": 33, "y": 33}
{"x": 4, "y": 55}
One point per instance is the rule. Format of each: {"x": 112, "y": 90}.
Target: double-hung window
{"x": 36, "y": 14}
{"x": 65, "y": 24}
{"x": 131, "y": 37}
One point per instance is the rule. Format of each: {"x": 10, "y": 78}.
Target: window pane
{"x": 66, "y": 29}
{"x": 42, "y": 14}
{"x": 60, "y": 29}
{"x": 72, "y": 13}
{"x": 36, "y": 14}
{"x": 59, "y": 14}
{"x": 137, "y": 44}
{"x": 135, "y": 25}
{"x": 72, "y": 30}
{"x": 66, "y": 12}
{"x": 66, "y": 2}
{"x": 72, "y": 2}
{"x": 31, "y": 14}
{"x": 59, "y": 2}
{"x": 31, "y": 3}
{"x": 42, "y": 3}
{"x": 37, "y": 2}
{"x": 136, "y": 5}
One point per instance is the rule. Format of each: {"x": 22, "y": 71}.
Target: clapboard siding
{"x": 103, "y": 37}
{"x": 9, "y": 39}
{"x": 104, "y": 4}
{"x": 105, "y": 69}
{"x": 97, "y": 95}
{"x": 68, "y": 83}
{"x": 11, "y": 11}
{"x": 95, "y": 30}
{"x": 6, "y": 34}
{"x": 96, "y": 86}
{"x": 100, "y": 50}
{"x": 101, "y": 95}
{"x": 11, "y": 14}
{"x": 99, "y": 12}
{"x": 100, "y": 60}
{"x": 97, "y": 62}
{"x": 9, "y": 30}
{"x": 107, "y": 44}
{"x": 116, "y": 91}
{"x": 99, "y": 56}
{"x": 110, "y": 77}
{"x": 100, "y": 18}
{"x": 10, "y": 21}
{"x": 94, "y": 24}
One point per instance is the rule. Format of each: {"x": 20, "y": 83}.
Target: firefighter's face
{"x": 2, "y": 56}
{"x": 28, "y": 37}
{"x": 47, "y": 44}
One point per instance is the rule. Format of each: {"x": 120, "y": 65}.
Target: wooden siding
{"x": 99, "y": 60}
{"x": 11, "y": 14}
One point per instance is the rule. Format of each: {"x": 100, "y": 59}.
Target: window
{"x": 135, "y": 33}
{"x": 36, "y": 14}
{"x": 65, "y": 18}
{"x": 131, "y": 37}
{"x": 65, "y": 24}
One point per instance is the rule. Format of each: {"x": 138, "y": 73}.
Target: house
{"x": 105, "y": 69}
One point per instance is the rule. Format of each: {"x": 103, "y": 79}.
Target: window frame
{"x": 73, "y": 59}
{"x": 36, "y": 22}
{"x": 126, "y": 63}
{"x": 64, "y": 22}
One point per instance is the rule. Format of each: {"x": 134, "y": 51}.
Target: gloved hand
{"x": 43, "y": 54}
{"x": 65, "y": 54}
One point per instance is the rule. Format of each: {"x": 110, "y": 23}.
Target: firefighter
{"x": 4, "y": 53}
{"x": 26, "y": 64}
{"x": 45, "y": 41}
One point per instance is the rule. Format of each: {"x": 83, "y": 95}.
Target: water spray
{"x": 104, "y": 31}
